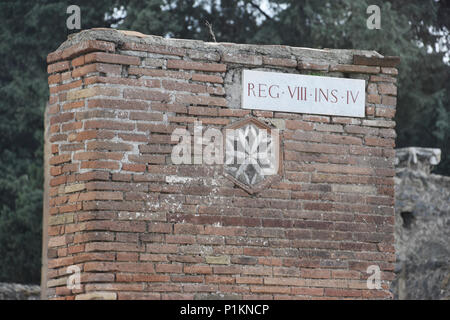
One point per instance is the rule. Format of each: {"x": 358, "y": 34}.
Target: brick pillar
{"x": 139, "y": 227}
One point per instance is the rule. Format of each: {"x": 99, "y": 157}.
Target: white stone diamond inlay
{"x": 251, "y": 154}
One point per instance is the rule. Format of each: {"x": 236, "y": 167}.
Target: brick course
{"x": 116, "y": 211}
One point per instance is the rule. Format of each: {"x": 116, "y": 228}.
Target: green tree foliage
{"x": 30, "y": 29}
{"x": 409, "y": 29}
{"x": 232, "y": 21}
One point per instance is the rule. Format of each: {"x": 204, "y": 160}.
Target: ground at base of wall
{"x": 422, "y": 235}
{"x": 16, "y": 291}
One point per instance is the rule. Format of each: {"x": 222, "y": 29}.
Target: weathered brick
{"x": 96, "y": 155}
{"x": 97, "y": 295}
{"x": 60, "y": 159}
{"x": 143, "y": 228}
{"x": 270, "y": 289}
{"x": 389, "y": 71}
{"x": 58, "y": 66}
{"x": 92, "y": 91}
{"x": 386, "y": 61}
{"x": 374, "y": 98}
{"x": 107, "y": 69}
{"x": 81, "y": 48}
{"x": 107, "y": 124}
{"x": 312, "y": 66}
{"x": 66, "y": 86}
{"x": 281, "y": 62}
{"x": 379, "y": 123}
{"x": 233, "y": 112}
{"x": 242, "y": 59}
{"x": 117, "y": 104}
{"x": 207, "y": 78}
{"x": 183, "y": 86}
{"x": 315, "y": 292}
{"x": 100, "y": 165}
{"x": 385, "y": 112}
{"x": 201, "y": 100}
{"x": 159, "y": 73}
{"x": 160, "y": 49}
{"x": 111, "y": 58}
{"x": 197, "y": 269}
{"x": 63, "y": 117}
{"x": 387, "y": 88}
{"x": 217, "y": 259}
{"x": 298, "y": 124}
{"x": 108, "y": 146}
{"x": 354, "y": 69}
{"x": 200, "y": 66}
{"x": 54, "y": 78}
{"x": 143, "y": 94}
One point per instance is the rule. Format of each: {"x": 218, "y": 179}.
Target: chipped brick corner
{"x": 139, "y": 227}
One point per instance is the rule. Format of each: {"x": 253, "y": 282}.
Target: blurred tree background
{"x": 29, "y": 30}
{"x": 415, "y": 30}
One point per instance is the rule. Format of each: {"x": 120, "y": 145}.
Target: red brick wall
{"x": 115, "y": 98}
